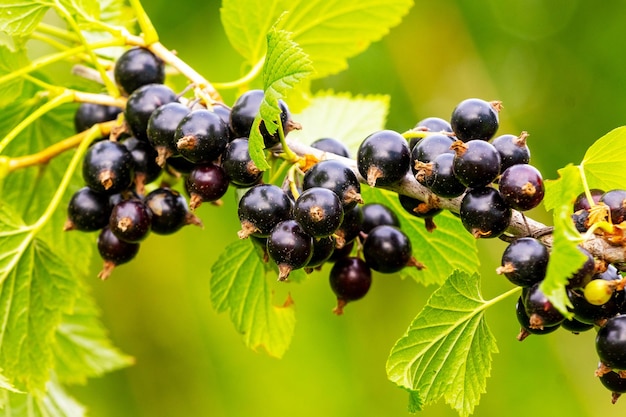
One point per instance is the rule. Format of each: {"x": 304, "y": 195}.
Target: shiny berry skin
{"x": 206, "y": 182}
{"x": 476, "y": 163}
{"x": 331, "y": 145}
{"x": 484, "y": 213}
{"x": 418, "y": 208}
{"x": 383, "y": 158}
{"x": 87, "y": 211}
{"x": 201, "y": 136}
{"x": 581, "y": 202}
{"x": 524, "y": 320}
{"x": 238, "y": 164}
{"x": 162, "y": 126}
{"x": 586, "y": 312}
{"x": 540, "y": 310}
{"x": 245, "y": 110}
{"x": 323, "y": 249}
{"x": 475, "y": 119}
{"x": 169, "y": 211}
{"x": 130, "y": 220}
{"x": 319, "y": 211}
{"x": 513, "y": 150}
{"x": 140, "y": 105}
{"x": 522, "y": 187}
{"x": 525, "y": 261}
{"x": 144, "y": 156}
{"x": 376, "y": 214}
{"x": 598, "y": 292}
{"x": 585, "y": 273}
{"x": 114, "y": 251}
{"x": 443, "y": 182}
{"x": 430, "y": 124}
{"x": 616, "y": 201}
{"x": 429, "y": 148}
{"x": 224, "y": 113}
{"x": 261, "y": 208}
{"x": 387, "y": 249}
{"x": 350, "y": 228}
{"x": 350, "y": 280}
{"x": 337, "y": 177}
{"x": 611, "y": 342}
{"x": 575, "y": 326}
{"x": 108, "y": 167}
{"x": 614, "y": 383}
{"x": 137, "y": 67}
{"x": 289, "y": 246}
{"x": 89, "y": 114}
{"x": 179, "y": 164}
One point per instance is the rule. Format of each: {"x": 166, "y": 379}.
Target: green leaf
{"x": 9, "y": 62}
{"x": 448, "y": 248}
{"x": 285, "y": 66}
{"x": 239, "y": 286}
{"x": 604, "y": 160}
{"x": 19, "y": 18}
{"x": 82, "y": 348}
{"x": 342, "y": 116}
{"x": 330, "y": 31}
{"x": 54, "y": 403}
{"x": 446, "y": 351}
{"x": 565, "y": 258}
{"x": 82, "y": 9}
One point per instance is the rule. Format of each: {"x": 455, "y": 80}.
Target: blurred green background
{"x": 558, "y": 66}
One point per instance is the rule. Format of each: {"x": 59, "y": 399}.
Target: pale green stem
{"x": 289, "y": 155}
{"x": 583, "y": 178}
{"x": 149, "y": 32}
{"x": 50, "y": 41}
{"x": 56, "y": 32}
{"x": 65, "y": 97}
{"x": 245, "y": 80}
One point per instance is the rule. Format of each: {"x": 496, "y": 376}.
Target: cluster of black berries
{"x": 596, "y": 290}
{"x": 162, "y": 132}
{"x": 318, "y": 220}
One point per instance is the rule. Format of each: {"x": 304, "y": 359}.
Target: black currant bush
{"x": 95, "y": 88}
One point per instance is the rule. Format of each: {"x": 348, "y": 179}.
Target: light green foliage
{"x": 342, "y": 116}
{"x": 19, "y": 18}
{"x": 285, "y": 66}
{"x": 449, "y": 247}
{"x": 330, "y": 31}
{"x": 446, "y": 351}
{"x": 9, "y": 62}
{"x": 605, "y": 160}
{"x": 55, "y": 403}
{"x": 239, "y": 286}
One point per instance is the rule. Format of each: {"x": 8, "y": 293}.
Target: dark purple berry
{"x": 140, "y": 105}
{"x": 383, "y": 158}
{"x": 206, "y": 182}
{"x": 177, "y": 165}
{"x": 290, "y": 247}
{"x": 512, "y": 149}
{"x": 169, "y": 211}
{"x": 524, "y": 321}
{"x": 540, "y": 310}
{"x": 261, "y": 208}
{"x": 201, "y": 136}
{"x": 525, "y": 261}
{"x": 161, "y": 129}
{"x": 130, "y": 220}
{"x": 376, "y": 214}
{"x": 114, "y": 251}
{"x": 108, "y": 167}
{"x": 319, "y": 211}
{"x": 89, "y": 114}
{"x": 575, "y": 326}
{"x": 522, "y": 187}
{"x": 387, "y": 249}
{"x": 331, "y": 145}
{"x": 611, "y": 342}
{"x": 475, "y": 119}
{"x": 484, "y": 213}
{"x": 614, "y": 382}
{"x": 137, "y": 67}
{"x": 421, "y": 209}
{"x": 429, "y": 148}
{"x": 476, "y": 163}
{"x": 87, "y": 211}
{"x": 350, "y": 227}
{"x": 323, "y": 249}
{"x": 350, "y": 279}
{"x": 238, "y": 164}
{"x": 585, "y": 273}
{"x": 337, "y": 177}
{"x": 245, "y": 110}
{"x": 616, "y": 202}
{"x": 581, "y": 202}
{"x": 443, "y": 182}
{"x": 144, "y": 156}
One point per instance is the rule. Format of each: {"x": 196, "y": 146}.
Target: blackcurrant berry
{"x": 337, "y": 177}
{"x": 387, "y": 249}
{"x": 350, "y": 227}
{"x": 588, "y": 313}
{"x": 539, "y": 308}
{"x": 475, "y": 119}
{"x": 421, "y": 209}
{"x": 429, "y": 148}
{"x": 169, "y": 211}
{"x": 89, "y": 114}
{"x": 430, "y": 124}
{"x": 521, "y": 186}
{"x": 331, "y": 145}
{"x": 581, "y": 202}
{"x": 323, "y": 249}
{"x": 161, "y": 129}
{"x": 114, "y": 251}
{"x": 87, "y": 211}
{"x": 616, "y": 202}
{"x": 350, "y": 279}
{"x": 140, "y": 105}
{"x": 319, "y": 211}
{"x": 206, "y": 182}
{"x": 584, "y": 274}
{"x": 137, "y": 67}
{"x": 383, "y": 158}
{"x": 614, "y": 382}
{"x": 290, "y": 247}
{"x": 144, "y": 156}
{"x": 130, "y": 220}
{"x": 484, "y": 213}
{"x": 340, "y": 253}
{"x": 524, "y": 262}
{"x": 476, "y": 163}
{"x": 238, "y": 164}
{"x": 108, "y": 167}
{"x": 524, "y": 321}
{"x": 513, "y": 150}
{"x": 611, "y": 342}
{"x": 443, "y": 182}
{"x": 575, "y": 326}
{"x": 376, "y": 214}
{"x": 261, "y": 208}
{"x": 581, "y": 220}
{"x": 178, "y": 165}
{"x": 201, "y": 136}
{"x": 224, "y": 113}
